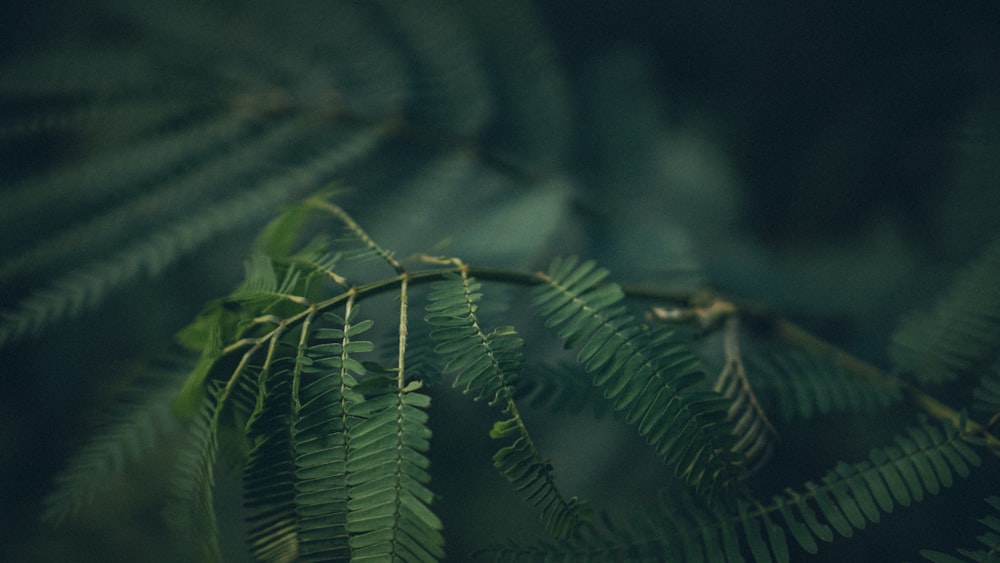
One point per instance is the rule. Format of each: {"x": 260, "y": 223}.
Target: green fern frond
{"x": 122, "y": 174}
{"x": 487, "y": 365}
{"x": 798, "y": 384}
{"x": 533, "y": 476}
{"x": 847, "y": 498}
{"x": 129, "y": 432}
{"x": 190, "y": 512}
{"x": 269, "y": 473}
{"x": 281, "y": 236}
{"x": 388, "y": 515}
{"x": 990, "y": 540}
{"x": 296, "y": 482}
{"x": 961, "y": 332}
{"x": 683, "y": 529}
{"x": 92, "y": 179}
{"x": 756, "y": 435}
{"x": 322, "y": 444}
{"x": 652, "y": 378}
{"x": 923, "y": 460}
{"x": 83, "y": 289}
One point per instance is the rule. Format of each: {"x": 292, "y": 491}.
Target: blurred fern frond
{"x": 487, "y": 365}
{"x": 133, "y": 428}
{"x": 157, "y": 142}
{"x": 961, "y": 332}
{"x": 847, "y": 498}
{"x": 803, "y": 385}
{"x": 151, "y": 174}
{"x": 990, "y": 540}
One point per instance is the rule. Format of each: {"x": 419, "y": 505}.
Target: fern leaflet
{"x": 486, "y": 364}
{"x": 388, "y": 516}
{"x": 388, "y": 508}
{"x": 326, "y": 394}
{"x": 654, "y": 380}
{"x": 846, "y": 498}
{"x": 269, "y": 472}
{"x": 922, "y": 461}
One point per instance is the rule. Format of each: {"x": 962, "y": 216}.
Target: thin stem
{"x": 794, "y": 334}
{"x": 784, "y": 329}
{"x": 299, "y": 362}
{"x": 348, "y": 221}
{"x": 401, "y": 361}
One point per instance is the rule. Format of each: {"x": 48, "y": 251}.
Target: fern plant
{"x": 328, "y": 425}
{"x": 314, "y": 415}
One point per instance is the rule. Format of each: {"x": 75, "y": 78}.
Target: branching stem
{"x": 700, "y": 299}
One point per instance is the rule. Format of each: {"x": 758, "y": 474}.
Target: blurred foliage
{"x": 835, "y": 162}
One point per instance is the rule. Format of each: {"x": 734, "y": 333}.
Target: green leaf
{"x": 388, "y": 515}
{"x": 220, "y": 324}
{"x": 776, "y": 538}
{"x": 820, "y": 530}
{"x": 860, "y": 491}
{"x": 831, "y": 512}
{"x": 653, "y": 380}
{"x": 190, "y": 512}
{"x": 800, "y": 532}
{"x": 320, "y": 439}
{"x": 486, "y": 365}
{"x": 281, "y": 236}
{"x": 754, "y": 537}
{"x": 269, "y": 475}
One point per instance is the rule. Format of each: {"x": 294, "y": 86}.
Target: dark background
{"x": 837, "y": 161}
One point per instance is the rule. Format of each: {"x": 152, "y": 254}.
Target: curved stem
{"x": 783, "y": 328}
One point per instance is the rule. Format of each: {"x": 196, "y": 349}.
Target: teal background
{"x": 836, "y": 161}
